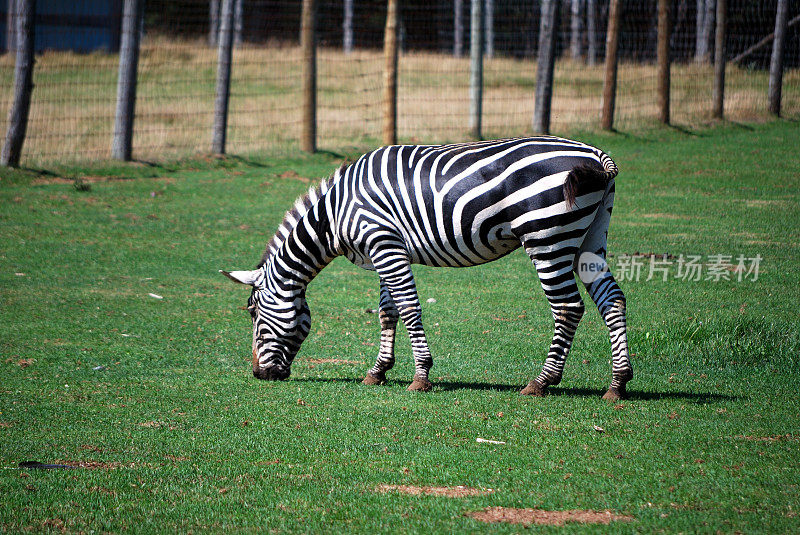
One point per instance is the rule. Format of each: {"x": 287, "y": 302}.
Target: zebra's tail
{"x": 586, "y": 176}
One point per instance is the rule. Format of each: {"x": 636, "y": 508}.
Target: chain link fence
{"x": 77, "y": 42}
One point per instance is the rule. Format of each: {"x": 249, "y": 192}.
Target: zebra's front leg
{"x": 388, "y": 316}
{"x": 567, "y": 308}
{"x": 400, "y": 283}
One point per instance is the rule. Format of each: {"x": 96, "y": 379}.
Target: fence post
{"x": 545, "y": 62}
{"x": 476, "y": 69}
{"x": 122, "y": 144}
{"x": 719, "y": 59}
{"x": 308, "y": 42}
{"x": 390, "y": 75}
{"x": 776, "y": 63}
{"x": 663, "y": 60}
{"x": 23, "y": 83}
{"x": 223, "y": 89}
{"x": 610, "y": 78}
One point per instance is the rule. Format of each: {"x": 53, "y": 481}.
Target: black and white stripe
{"x": 450, "y": 205}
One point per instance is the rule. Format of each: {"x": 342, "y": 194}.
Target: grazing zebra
{"x": 450, "y": 205}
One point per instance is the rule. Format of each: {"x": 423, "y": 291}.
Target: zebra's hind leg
{"x": 606, "y": 294}
{"x": 388, "y": 317}
{"x": 396, "y": 273}
{"x": 610, "y": 301}
{"x": 567, "y": 308}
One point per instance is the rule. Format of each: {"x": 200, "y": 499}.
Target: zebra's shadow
{"x": 557, "y": 391}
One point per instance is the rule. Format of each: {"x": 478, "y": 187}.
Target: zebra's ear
{"x": 242, "y": 277}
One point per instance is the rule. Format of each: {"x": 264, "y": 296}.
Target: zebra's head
{"x": 280, "y": 325}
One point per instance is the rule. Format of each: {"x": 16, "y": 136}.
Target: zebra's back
{"x": 467, "y": 204}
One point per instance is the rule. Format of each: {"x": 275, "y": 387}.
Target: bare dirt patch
{"x": 332, "y": 361}
{"x": 551, "y": 518}
{"x": 22, "y": 363}
{"x": 294, "y": 176}
{"x": 459, "y": 491}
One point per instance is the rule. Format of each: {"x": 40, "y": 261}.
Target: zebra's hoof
{"x": 420, "y": 384}
{"x": 374, "y": 379}
{"x": 534, "y": 389}
{"x": 615, "y": 394}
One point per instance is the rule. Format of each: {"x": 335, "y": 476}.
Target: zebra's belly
{"x": 500, "y": 249}
{"x": 473, "y": 251}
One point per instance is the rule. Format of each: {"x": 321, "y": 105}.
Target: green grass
{"x": 189, "y": 440}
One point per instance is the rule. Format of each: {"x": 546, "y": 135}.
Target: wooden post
{"x": 23, "y": 84}
{"x": 122, "y": 144}
{"x": 390, "y": 75}
{"x": 663, "y": 60}
{"x": 308, "y": 42}
{"x": 776, "y": 62}
{"x": 610, "y": 81}
{"x": 347, "y": 27}
{"x": 545, "y": 62}
{"x": 719, "y": 59}
{"x": 476, "y": 69}
{"x": 223, "y": 90}
{"x": 591, "y": 32}
{"x": 11, "y": 26}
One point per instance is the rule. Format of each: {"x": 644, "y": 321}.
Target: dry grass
{"x": 73, "y": 105}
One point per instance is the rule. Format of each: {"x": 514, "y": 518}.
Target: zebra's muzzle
{"x": 271, "y": 374}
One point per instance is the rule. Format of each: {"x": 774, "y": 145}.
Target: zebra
{"x": 452, "y": 205}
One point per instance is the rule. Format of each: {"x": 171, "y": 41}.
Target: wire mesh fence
{"x": 77, "y": 43}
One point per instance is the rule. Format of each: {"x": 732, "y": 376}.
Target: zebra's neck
{"x": 304, "y": 243}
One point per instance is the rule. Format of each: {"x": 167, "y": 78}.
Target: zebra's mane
{"x": 301, "y": 207}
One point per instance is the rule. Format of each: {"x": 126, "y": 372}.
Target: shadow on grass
{"x": 634, "y": 395}
{"x": 448, "y": 386}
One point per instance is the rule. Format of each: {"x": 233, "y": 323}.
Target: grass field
{"x": 72, "y": 112}
{"x": 154, "y": 400}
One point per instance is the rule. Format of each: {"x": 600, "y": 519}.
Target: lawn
{"x": 126, "y": 354}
